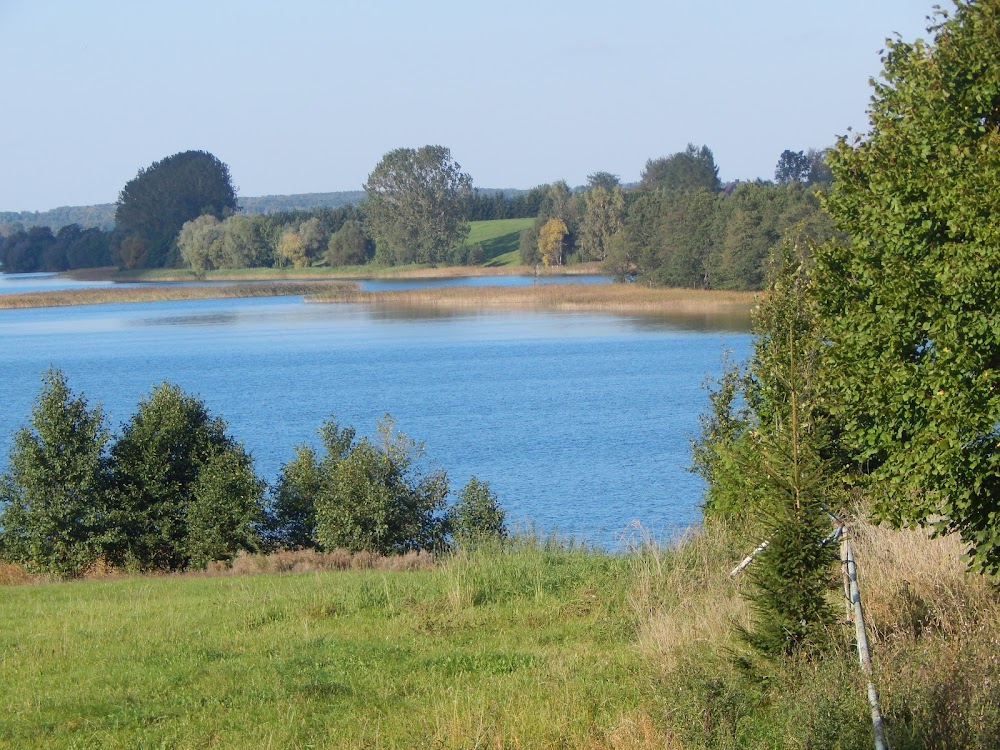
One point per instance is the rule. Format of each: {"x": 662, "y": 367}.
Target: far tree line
{"x": 174, "y": 490}
{"x": 679, "y": 226}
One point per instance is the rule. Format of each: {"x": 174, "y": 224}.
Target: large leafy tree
{"x": 52, "y": 496}
{"x": 184, "y": 490}
{"x": 910, "y": 303}
{"x": 416, "y": 204}
{"x": 155, "y": 204}
{"x": 604, "y": 213}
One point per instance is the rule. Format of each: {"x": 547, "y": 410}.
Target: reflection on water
{"x": 207, "y": 319}
{"x": 580, "y": 421}
{"x": 722, "y": 320}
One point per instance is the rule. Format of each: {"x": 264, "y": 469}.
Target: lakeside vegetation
{"x": 616, "y": 298}
{"x": 129, "y": 294}
{"x": 539, "y": 644}
{"x": 679, "y": 226}
{"x": 871, "y": 394}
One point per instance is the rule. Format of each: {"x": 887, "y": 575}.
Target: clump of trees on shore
{"x": 679, "y": 226}
{"x": 175, "y": 491}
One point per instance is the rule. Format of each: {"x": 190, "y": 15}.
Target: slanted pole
{"x": 864, "y": 653}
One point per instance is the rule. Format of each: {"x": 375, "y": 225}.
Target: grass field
{"x": 499, "y": 239}
{"x": 536, "y": 647}
{"x": 541, "y": 645}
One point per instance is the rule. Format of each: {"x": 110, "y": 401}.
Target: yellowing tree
{"x": 550, "y": 241}
{"x": 292, "y": 248}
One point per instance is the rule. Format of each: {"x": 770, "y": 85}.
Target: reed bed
{"x": 619, "y": 298}
{"x": 151, "y": 293}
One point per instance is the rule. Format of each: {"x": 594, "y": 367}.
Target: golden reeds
{"x": 620, "y": 298}
{"x": 159, "y": 293}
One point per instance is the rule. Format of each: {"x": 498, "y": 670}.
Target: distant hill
{"x": 103, "y": 214}
{"x": 269, "y": 204}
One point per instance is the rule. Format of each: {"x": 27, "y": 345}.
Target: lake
{"x": 51, "y": 282}
{"x": 580, "y": 422}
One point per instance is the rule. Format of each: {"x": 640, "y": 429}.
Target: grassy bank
{"x": 539, "y": 646}
{"x": 124, "y": 294}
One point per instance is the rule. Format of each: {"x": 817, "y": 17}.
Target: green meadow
{"x": 534, "y": 646}
{"x": 541, "y": 644}
{"x": 499, "y": 239}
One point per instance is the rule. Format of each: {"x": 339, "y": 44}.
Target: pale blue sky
{"x": 306, "y": 96}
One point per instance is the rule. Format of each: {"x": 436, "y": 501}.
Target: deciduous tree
{"x": 551, "y": 239}
{"x": 691, "y": 169}
{"x": 349, "y": 245}
{"x": 477, "y": 518}
{"x": 793, "y": 166}
{"x": 910, "y": 303}
{"x": 155, "y": 204}
{"x": 378, "y": 498}
{"x": 416, "y": 204}
{"x": 604, "y": 214}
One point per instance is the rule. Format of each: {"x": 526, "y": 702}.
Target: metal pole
{"x": 864, "y": 654}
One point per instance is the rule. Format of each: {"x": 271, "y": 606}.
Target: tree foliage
{"x": 793, "y": 166}
{"x": 416, "y": 204}
{"x": 38, "y": 249}
{"x": 913, "y": 338}
{"x": 155, "y": 204}
{"x": 764, "y": 452}
{"x": 184, "y": 490}
{"x": 551, "y": 242}
{"x": 604, "y": 213}
{"x": 693, "y": 168}
{"x": 53, "y": 494}
{"x": 360, "y": 494}
{"x": 349, "y": 245}
{"x": 477, "y": 518}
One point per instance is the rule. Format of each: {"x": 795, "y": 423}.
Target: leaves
{"x": 416, "y": 205}
{"x": 909, "y": 303}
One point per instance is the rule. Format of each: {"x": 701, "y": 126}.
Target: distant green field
{"x": 498, "y": 237}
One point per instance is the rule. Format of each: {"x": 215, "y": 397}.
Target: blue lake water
{"x": 581, "y": 422}
{"x": 50, "y": 282}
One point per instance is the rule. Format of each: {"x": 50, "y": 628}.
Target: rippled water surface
{"x": 581, "y": 422}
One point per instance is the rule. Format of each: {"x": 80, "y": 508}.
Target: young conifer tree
{"x": 791, "y": 578}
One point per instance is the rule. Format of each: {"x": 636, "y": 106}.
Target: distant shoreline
{"x": 347, "y": 273}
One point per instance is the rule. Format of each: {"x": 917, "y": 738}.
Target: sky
{"x": 306, "y": 96}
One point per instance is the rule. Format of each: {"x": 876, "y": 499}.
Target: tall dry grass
{"x": 683, "y": 598}
{"x": 311, "y": 561}
{"x": 914, "y": 583}
{"x": 619, "y": 298}
{"x": 152, "y": 293}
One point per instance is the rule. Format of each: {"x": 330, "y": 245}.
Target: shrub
{"x": 477, "y": 518}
